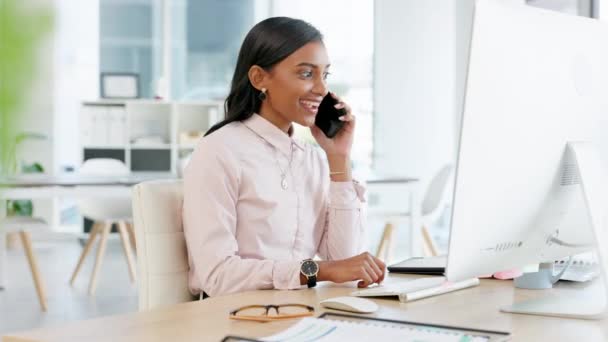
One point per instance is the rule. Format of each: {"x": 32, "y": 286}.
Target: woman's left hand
{"x": 340, "y": 144}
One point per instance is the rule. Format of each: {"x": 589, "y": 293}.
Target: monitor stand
{"x": 591, "y": 302}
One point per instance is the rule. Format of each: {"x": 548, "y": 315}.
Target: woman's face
{"x": 296, "y": 86}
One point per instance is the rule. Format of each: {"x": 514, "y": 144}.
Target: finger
{"x": 376, "y": 269}
{"x": 347, "y": 118}
{"x": 382, "y": 266}
{"x": 366, "y": 279}
{"x": 343, "y": 105}
{"x": 372, "y": 272}
{"x": 382, "y": 275}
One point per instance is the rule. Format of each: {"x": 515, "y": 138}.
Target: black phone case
{"x": 327, "y": 118}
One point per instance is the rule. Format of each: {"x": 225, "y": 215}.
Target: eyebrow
{"x": 312, "y": 65}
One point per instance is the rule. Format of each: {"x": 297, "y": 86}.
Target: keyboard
{"x": 403, "y": 287}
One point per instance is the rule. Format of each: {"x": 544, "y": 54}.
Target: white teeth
{"x": 310, "y": 104}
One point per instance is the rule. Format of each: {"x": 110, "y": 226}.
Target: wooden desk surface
{"x": 208, "y": 320}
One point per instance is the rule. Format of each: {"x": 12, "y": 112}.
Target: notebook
{"x": 339, "y": 327}
{"x": 416, "y": 289}
{"x": 419, "y": 265}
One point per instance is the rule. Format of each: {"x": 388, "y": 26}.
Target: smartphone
{"x": 327, "y": 118}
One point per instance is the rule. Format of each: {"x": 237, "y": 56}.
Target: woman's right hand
{"x": 364, "y": 267}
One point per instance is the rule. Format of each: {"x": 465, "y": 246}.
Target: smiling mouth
{"x": 310, "y": 106}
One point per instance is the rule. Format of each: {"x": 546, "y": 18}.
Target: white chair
{"x": 162, "y": 257}
{"x": 431, "y": 209}
{"x": 22, "y": 224}
{"x": 104, "y": 214}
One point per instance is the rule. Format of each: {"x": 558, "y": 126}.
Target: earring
{"x": 262, "y": 95}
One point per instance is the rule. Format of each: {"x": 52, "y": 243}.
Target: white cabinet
{"x": 103, "y": 126}
{"x": 147, "y": 135}
{"x": 193, "y": 119}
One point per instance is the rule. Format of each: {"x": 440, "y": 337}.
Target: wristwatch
{"x": 309, "y": 269}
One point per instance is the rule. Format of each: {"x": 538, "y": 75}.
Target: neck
{"x": 274, "y": 117}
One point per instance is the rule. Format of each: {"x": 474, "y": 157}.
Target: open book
{"x": 417, "y": 288}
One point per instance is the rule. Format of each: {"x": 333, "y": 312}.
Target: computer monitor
{"x": 534, "y": 121}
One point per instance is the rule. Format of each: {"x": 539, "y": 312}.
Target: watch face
{"x": 309, "y": 268}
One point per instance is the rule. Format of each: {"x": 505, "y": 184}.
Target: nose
{"x": 320, "y": 87}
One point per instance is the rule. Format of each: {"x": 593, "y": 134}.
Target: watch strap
{"x": 312, "y": 281}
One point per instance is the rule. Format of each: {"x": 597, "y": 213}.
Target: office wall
{"x": 414, "y": 86}
{"x": 76, "y": 73}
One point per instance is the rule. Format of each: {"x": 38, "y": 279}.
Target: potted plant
{"x": 21, "y": 207}
{"x": 22, "y": 27}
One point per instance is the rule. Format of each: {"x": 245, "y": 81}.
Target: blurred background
{"x": 139, "y": 81}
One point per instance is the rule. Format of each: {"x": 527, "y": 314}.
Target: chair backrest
{"x": 162, "y": 257}
{"x": 105, "y": 209}
{"x": 435, "y": 192}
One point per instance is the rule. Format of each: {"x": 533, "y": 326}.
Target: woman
{"x": 259, "y": 204}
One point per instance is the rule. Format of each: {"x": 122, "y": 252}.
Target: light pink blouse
{"x": 243, "y": 230}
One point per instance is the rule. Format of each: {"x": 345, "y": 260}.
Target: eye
{"x": 306, "y": 74}
{"x": 326, "y": 75}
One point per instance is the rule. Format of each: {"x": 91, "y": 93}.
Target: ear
{"x": 258, "y": 77}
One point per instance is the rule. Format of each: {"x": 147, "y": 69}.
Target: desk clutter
{"x": 582, "y": 269}
{"x": 335, "y": 327}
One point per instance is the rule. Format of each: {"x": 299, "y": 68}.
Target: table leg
{"x": 415, "y": 225}
{"x": 2, "y": 258}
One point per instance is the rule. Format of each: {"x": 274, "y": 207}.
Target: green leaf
{"x": 32, "y": 168}
{"x": 20, "y": 208}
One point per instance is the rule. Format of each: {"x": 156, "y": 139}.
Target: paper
{"x": 318, "y": 329}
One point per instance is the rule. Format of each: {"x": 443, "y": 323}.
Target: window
{"x": 130, "y": 40}
{"x": 205, "y": 39}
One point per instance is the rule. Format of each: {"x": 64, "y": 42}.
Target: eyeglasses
{"x": 267, "y": 313}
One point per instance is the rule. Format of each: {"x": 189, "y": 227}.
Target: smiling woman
{"x": 259, "y": 203}
{"x": 260, "y": 53}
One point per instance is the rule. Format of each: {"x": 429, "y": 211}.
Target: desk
{"x": 208, "y": 320}
{"x": 73, "y": 185}
{"x": 37, "y": 186}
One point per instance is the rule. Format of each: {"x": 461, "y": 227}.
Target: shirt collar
{"x": 272, "y": 134}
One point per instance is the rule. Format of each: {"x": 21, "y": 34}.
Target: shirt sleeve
{"x": 344, "y": 231}
{"x": 211, "y": 183}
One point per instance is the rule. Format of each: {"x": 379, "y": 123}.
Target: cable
{"x": 567, "y": 244}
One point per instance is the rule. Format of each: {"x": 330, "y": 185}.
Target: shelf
{"x": 106, "y": 102}
{"x": 187, "y": 147}
{"x": 151, "y": 147}
{"x": 150, "y": 130}
{"x": 104, "y": 147}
